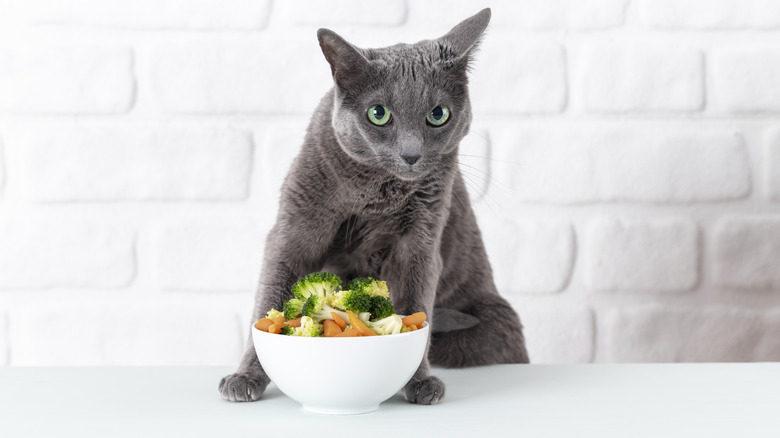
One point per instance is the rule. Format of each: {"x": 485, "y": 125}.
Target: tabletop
{"x": 598, "y": 400}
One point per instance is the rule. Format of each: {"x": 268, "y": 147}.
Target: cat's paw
{"x": 427, "y": 391}
{"x": 242, "y": 387}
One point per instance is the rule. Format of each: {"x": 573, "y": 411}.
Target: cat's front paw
{"x": 242, "y": 387}
{"x": 427, "y": 391}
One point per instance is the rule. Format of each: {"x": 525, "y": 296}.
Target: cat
{"x": 376, "y": 191}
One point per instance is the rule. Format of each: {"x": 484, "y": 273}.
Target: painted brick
{"x": 129, "y": 335}
{"x": 709, "y": 14}
{"x": 657, "y": 256}
{"x": 664, "y": 334}
{"x": 576, "y": 164}
{"x": 747, "y": 252}
{"x": 2, "y": 169}
{"x": 474, "y": 160}
{"x": 638, "y": 77}
{"x": 66, "y": 80}
{"x": 136, "y": 163}
{"x": 547, "y": 328}
{"x": 45, "y": 253}
{"x": 208, "y": 14}
{"x": 4, "y": 345}
{"x": 743, "y": 78}
{"x": 532, "y": 78}
{"x": 530, "y": 14}
{"x": 239, "y": 77}
{"x": 773, "y": 166}
{"x": 342, "y": 12}
{"x": 528, "y": 256}
{"x": 217, "y": 254}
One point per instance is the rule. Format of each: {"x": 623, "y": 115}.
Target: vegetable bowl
{"x": 344, "y": 375}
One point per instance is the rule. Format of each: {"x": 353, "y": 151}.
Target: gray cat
{"x": 376, "y": 191}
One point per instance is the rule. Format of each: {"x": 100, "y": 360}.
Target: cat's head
{"x": 402, "y": 108}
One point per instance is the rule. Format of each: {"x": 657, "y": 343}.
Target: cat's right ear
{"x": 347, "y": 64}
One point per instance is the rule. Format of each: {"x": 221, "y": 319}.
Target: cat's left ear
{"x": 464, "y": 38}
{"x": 347, "y": 64}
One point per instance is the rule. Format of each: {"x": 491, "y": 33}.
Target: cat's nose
{"x": 411, "y": 158}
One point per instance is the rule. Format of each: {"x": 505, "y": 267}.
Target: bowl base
{"x": 340, "y": 411}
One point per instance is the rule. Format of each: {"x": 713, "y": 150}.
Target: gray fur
{"x": 353, "y": 206}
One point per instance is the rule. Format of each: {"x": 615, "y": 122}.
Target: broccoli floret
{"x": 405, "y": 329}
{"x": 370, "y": 286}
{"x": 287, "y": 330}
{"x": 316, "y": 308}
{"x": 273, "y": 314}
{"x": 390, "y": 325}
{"x": 356, "y": 301}
{"x": 381, "y": 307}
{"x": 316, "y": 283}
{"x": 308, "y": 328}
{"x": 293, "y": 308}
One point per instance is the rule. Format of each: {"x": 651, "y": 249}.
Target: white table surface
{"x": 600, "y": 400}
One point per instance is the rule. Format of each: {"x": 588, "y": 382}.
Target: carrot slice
{"x": 263, "y": 324}
{"x": 275, "y": 329}
{"x": 348, "y": 333}
{"x": 358, "y": 324}
{"x": 339, "y": 320}
{"x": 279, "y": 320}
{"x": 412, "y": 327}
{"x": 294, "y": 322}
{"x": 330, "y": 328}
{"x": 416, "y": 319}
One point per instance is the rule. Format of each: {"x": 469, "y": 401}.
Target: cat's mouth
{"x": 407, "y": 172}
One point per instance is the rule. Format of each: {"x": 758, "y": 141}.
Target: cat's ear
{"x": 465, "y": 37}
{"x": 347, "y": 64}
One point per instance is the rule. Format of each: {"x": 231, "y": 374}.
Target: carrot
{"x": 263, "y": 324}
{"x": 348, "y": 333}
{"x": 416, "y": 319}
{"x": 275, "y": 329}
{"x": 279, "y": 320}
{"x": 339, "y": 320}
{"x": 330, "y": 328}
{"x": 294, "y": 322}
{"x": 358, "y": 324}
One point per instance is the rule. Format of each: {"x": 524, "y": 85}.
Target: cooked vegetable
{"x": 319, "y": 308}
{"x": 316, "y": 283}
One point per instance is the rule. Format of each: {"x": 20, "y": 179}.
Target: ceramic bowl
{"x": 340, "y": 375}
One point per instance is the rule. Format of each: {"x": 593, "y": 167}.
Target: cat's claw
{"x": 242, "y": 387}
{"x": 427, "y": 391}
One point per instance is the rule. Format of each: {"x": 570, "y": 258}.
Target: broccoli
{"x": 293, "y": 308}
{"x": 273, "y": 314}
{"x": 370, "y": 286}
{"x": 356, "y": 301}
{"x": 316, "y": 283}
{"x": 381, "y": 307}
{"x": 390, "y": 325}
{"x": 308, "y": 328}
{"x": 317, "y": 309}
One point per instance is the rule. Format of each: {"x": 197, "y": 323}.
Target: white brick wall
{"x": 624, "y": 165}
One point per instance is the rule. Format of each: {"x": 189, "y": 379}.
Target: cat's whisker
{"x": 487, "y": 177}
{"x": 514, "y": 163}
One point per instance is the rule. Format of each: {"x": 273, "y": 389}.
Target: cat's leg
{"x": 413, "y": 270}
{"x": 291, "y": 252}
{"x": 497, "y": 337}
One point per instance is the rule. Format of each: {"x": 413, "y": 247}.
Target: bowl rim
{"x": 423, "y": 328}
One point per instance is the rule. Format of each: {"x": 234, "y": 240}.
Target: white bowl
{"x": 340, "y": 375}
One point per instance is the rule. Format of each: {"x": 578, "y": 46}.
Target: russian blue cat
{"x": 376, "y": 191}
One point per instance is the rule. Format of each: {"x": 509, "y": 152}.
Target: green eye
{"x": 379, "y": 115}
{"x": 438, "y": 116}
